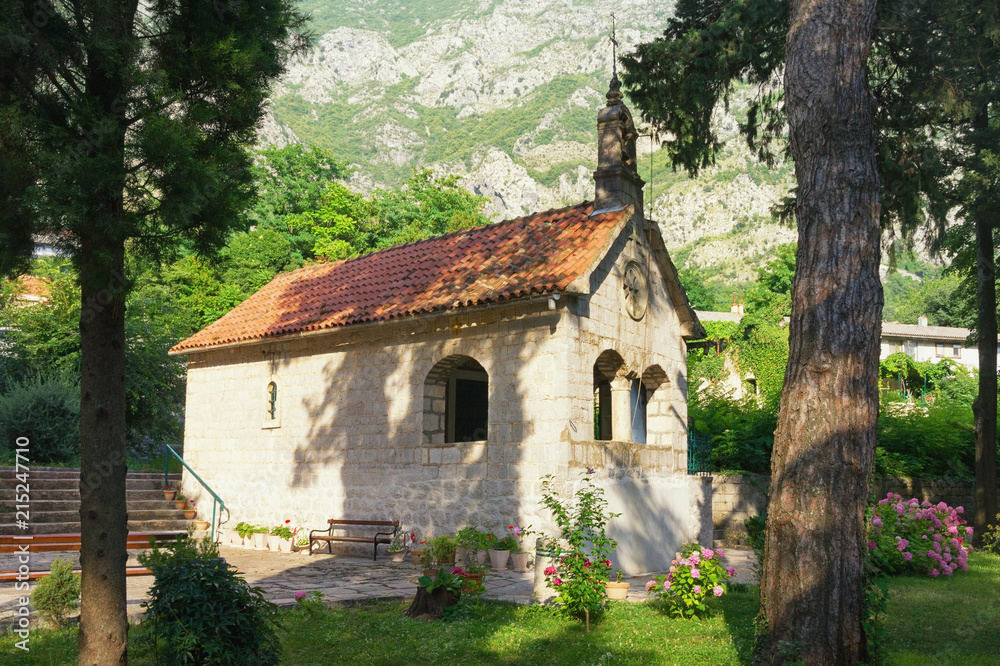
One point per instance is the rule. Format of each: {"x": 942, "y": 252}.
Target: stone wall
{"x": 736, "y": 498}
{"x": 357, "y": 433}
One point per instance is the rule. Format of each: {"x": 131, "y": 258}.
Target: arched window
{"x": 456, "y": 401}
{"x": 607, "y": 369}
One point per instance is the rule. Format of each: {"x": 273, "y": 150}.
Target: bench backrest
{"x": 382, "y": 523}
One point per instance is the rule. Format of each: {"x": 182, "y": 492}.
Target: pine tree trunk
{"x": 103, "y": 518}
{"x": 825, "y": 441}
{"x": 985, "y": 408}
{"x": 103, "y": 636}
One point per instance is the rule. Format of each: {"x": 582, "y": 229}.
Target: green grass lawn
{"x": 931, "y": 621}
{"x": 955, "y": 621}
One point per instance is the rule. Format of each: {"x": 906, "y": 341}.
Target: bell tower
{"x": 617, "y": 177}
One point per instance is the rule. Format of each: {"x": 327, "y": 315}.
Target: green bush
{"x": 46, "y": 410}
{"x": 936, "y": 441}
{"x": 742, "y": 431}
{"x": 55, "y": 596}
{"x": 200, "y": 612}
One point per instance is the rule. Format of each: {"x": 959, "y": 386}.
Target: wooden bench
{"x": 329, "y": 537}
{"x": 38, "y": 543}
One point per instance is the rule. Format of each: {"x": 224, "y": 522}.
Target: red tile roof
{"x": 537, "y": 254}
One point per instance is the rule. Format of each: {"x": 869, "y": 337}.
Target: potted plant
{"x": 189, "y": 510}
{"x": 472, "y": 580}
{"x": 417, "y": 550}
{"x": 168, "y": 493}
{"x": 443, "y": 548}
{"x": 500, "y": 553}
{"x": 616, "y": 589}
{"x": 244, "y": 530}
{"x": 397, "y": 549}
{"x": 518, "y": 556}
{"x": 179, "y": 502}
{"x": 282, "y": 534}
{"x": 473, "y": 541}
{"x": 201, "y": 525}
{"x": 260, "y": 534}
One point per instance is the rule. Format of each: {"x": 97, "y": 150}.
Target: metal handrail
{"x": 215, "y": 498}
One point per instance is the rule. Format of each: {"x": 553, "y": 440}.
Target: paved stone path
{"x": 343, "y": 579}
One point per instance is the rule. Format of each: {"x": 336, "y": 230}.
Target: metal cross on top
{"x": 614, "y": 49}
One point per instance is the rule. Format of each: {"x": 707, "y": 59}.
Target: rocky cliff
{"x": 505, "y": 93}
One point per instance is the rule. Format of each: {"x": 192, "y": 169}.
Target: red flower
{"x": 287, "y": 521}
{"x": 490, "y": 536}
{"x": 607, "y": 563}
{"x": 510, "y": 527}
{"x": 423, "y": 542}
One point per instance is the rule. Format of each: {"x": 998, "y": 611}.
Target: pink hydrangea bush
{"x": 910, "y": 536}
{"x": 695, "y": 576}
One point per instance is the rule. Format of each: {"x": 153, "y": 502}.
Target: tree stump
{"x": 431, "y": 606}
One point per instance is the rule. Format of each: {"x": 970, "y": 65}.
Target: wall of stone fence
{"x": 736, "y": 498}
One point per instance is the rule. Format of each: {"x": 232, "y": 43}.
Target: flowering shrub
{"x": 914, "y": 536}
{"x": 579, "y": 575}
{"x": 695, "y": 576}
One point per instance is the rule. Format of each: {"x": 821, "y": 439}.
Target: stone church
{"x": 437, "y": 382}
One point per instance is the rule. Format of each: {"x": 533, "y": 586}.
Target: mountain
{"x": 505, "y": 93}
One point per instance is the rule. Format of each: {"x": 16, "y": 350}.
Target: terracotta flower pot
{"x": 431, "y": 572}
{"x": 201, "y": 524}
{"x": 189, "y": 514}
{"x": 169, "y": 494}
{"x": 478, "y": 577}
{"x": 616, "y": 590}
{"x": 179, "y": 504}
{"x": 415, "y": 555}
{"x": 498, "y": 558}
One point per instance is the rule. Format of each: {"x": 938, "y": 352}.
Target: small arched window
{"x": 456, "y": 401}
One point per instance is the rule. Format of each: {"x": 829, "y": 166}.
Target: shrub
{"x": 55, "y": 596}
{"x": 933, "y": 441}
{"x": 694, "y": 577}
{"x": 46, "y": 410}
{"x": 991, "y": 537}
{"x": 200, "y": 612}
{"x": 579, "y": 575}
{"x": 910, "y": 536}
{"x": 443, "y": 547}
{"x": 757, "y": 537}
{"x": 184, "y": 548}
{"x": 473, "y": 539}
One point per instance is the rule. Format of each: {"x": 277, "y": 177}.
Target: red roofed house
{"x": 436, "y": 382}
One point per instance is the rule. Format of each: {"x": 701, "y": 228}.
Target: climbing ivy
{"x": 761, "y": 347}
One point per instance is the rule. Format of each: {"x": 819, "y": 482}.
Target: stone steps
{"x": 54, "y": 502}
